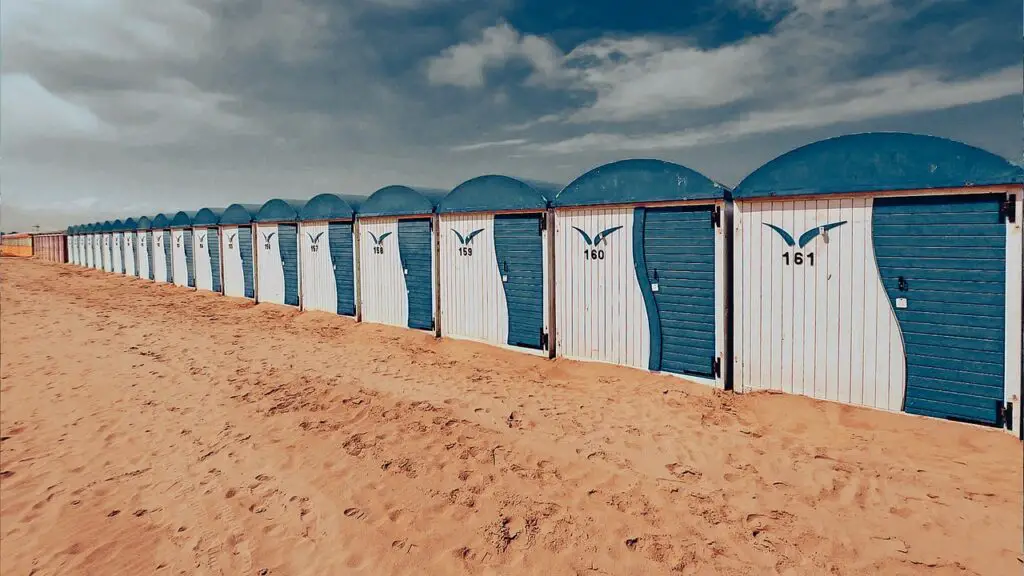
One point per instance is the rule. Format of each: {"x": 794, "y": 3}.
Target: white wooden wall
{"x": 116, "y": 265}
{"x": 201, "y": 257}
{"x": 381, "y": 279}
{"x": 179, "y": 264}
{"x": 826, "y": 331}
{"x": 159, "y": 257}
{"x": 108, "y": 263}
{"x": 473, "y": 301}
{"x": 231, "y": 262}
{"x": 269, "y": 269}
{"x": 319, "y": 289}
{"x": 140, "y": 241}
{"x": 129, "y": 253}
{"x": 95, "y": 250}
{"x": 599, "y": 308}
{"x": 1014, "y": 319}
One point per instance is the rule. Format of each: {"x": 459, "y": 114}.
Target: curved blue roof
{"x": 161, "y": 221}
{"x": 239, "y": 214}
{"x": 182, "y": 219}
{"x": 129, "y": 224}
{"x": 878, "y": 161}
{"x": 493, "y": 193}
{"x": 207, "y": 217}
{"x": 143, "y": 223}
{"x": 106, "y": 226}
{"x": 638, "y": 180}
{"x": 398, "y": 200}
{"x": 330, "y": 207}
{"x": 279, "y": 210}
{"x": 116, "y": 226}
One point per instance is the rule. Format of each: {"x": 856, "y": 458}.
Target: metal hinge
{"x": 543, "y": 339}
{"x": 1009, "y": 208}
{"x": 716, "y": 367}
{"x": 716, "y": 217}
{"x": 433, "y": 325}
{"x": 543, "y": 224}
{"x": 1007, "y": 413}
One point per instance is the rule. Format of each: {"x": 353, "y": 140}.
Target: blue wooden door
{"x": 213, "y": 248}
{"x": 520, "y": 253}
{"x": 414, "y": 246}
{"x": 679, "y": 258}
{"x": 339, "y": 241}
{"x": 288, "y": 244}
{"x": 190, "y": 270}
{"x": 149, "y": 254}
{"x": 124, "y": 263}
{"x": 946, "y": 255}
{"x": 168, "y": 261}
{"x": 245, "y": 251}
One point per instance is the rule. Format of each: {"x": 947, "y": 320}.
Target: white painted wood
{"x": 201, "y": 265}
{"x": 231, "y": 262}
{"x": 600, "y": 312}
{"x": 179, "y": 264}
{"x": 159, "y": 257}
{"x": 269, "y": 268}
{"x": 129, "y": 254}
{"x": 473, "y": 304}
{"x": 319, "y": 289}
{"x": 721, "y": 267}
{"x": 826, "y": 331}
{"x": 97, "y": 251}
{"x": 382, "y": 282}
{"x": 105, "y": 256}
{"x": 140, "y": 241}
{"x": 1014, "y": 321}
{"x": 116, "y": 263}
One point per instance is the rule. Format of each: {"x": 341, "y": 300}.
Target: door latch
{"x": 902, "y": 284}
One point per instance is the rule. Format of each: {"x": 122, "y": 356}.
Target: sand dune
{"x": 147, "y": 429}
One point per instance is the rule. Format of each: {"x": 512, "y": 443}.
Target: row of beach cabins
{"x": 877, "y": 269}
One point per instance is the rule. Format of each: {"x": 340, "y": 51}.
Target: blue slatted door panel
{"x": 189, "y": 264}
{"x": 168, "y": 261}
{"x": 679, "y": 251}
{"x": 950, "y": 252}
{"x": 414, "y": 246}
{"x": 124, "y": 266}
{"x": 339, "y": 238}
{"x": 213, "y": 245}
{"x": 149, "y": 254}
{"x": 245, "y": 250}
{"x": 288, "y": 244}
{"x": 520, "y": 253}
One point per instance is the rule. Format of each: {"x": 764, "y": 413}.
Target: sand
{"x": 149, "y": 429}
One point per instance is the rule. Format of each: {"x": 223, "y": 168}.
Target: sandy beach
{"x": 150, "y": 429}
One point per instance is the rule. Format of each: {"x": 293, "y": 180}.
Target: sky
{"x": 117, "y": 108}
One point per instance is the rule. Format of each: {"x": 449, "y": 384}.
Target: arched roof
{"x": 161, "y": 221}
{"x": 494, "y": 193}
{"x": 330, "y": 207}
{"x": 398, "y": 200}
{"x": 143, "y": 223}
{"x": 207, "y": 217}
{"x": 638, "y": 181}
{"x": 279, "y": 210}
{"x": 182, "y": 219}
{"x": 239, "y": 214}
{"x": 106, "y": 226}
{"x": 129, "y": 224}
{"x": 878, "y": 161}
{"x": 116, "y": 226}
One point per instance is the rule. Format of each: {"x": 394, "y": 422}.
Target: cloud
{"x": 483, "y": 145}
{"x": 465, "y": 64}
{"x": 31, "y": 112}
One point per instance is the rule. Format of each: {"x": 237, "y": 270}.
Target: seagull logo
{"x": 599, "y": 237}
{"x": 808, "y": 236}
{"x": 314, "y": 239}
{"x": 377, "y": 240}
{"x": 267, "y": 237}
{"x": 467, "y": 239}
{"x": 232, "y": 237}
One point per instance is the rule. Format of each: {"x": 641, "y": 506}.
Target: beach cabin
{"x": 640, "y": 269}
{"x": 397, "y": 280}
{"x": 327, "y": 254}
{"x": 206, "y": 257}
{"x": 72, "y": 244}
{"x": 106, "y": 246}
{"x": 162, "y": 256}
{"x": 277, "y": 260}
{"x": 144, "y": 243}
{"x": 131, "y": 265}
{"x": 90, "y": 246}
{"x": 116, "y": 247}
{"x": 183, "y": 272}
{"x": 494, "y": 255}
{"x": 237, "y": 255}
{"x": 883, "y": 270}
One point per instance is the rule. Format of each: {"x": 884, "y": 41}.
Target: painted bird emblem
{"x": 464, "y": 240}
{"x": 807, "y": 236}
{"x": 599, "y": 237}
{"x": 314, "y": 239}
{"x": 267, "y": 237}
{"x": 232, "y": 237}
{"x": 377, "y": 240}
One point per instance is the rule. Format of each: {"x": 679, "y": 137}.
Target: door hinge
{"x": 543, "y": 339}
{"x": 716, "y": 367}
{"x": 1009, "y": 208}
{"x": 1007, "y": 414}
{"x": 543, "y": 224}
{"x": 433, "y": 324}
{"x": 716, "y": 217}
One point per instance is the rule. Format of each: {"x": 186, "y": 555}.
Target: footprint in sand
{"x": 355, "y": 513}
